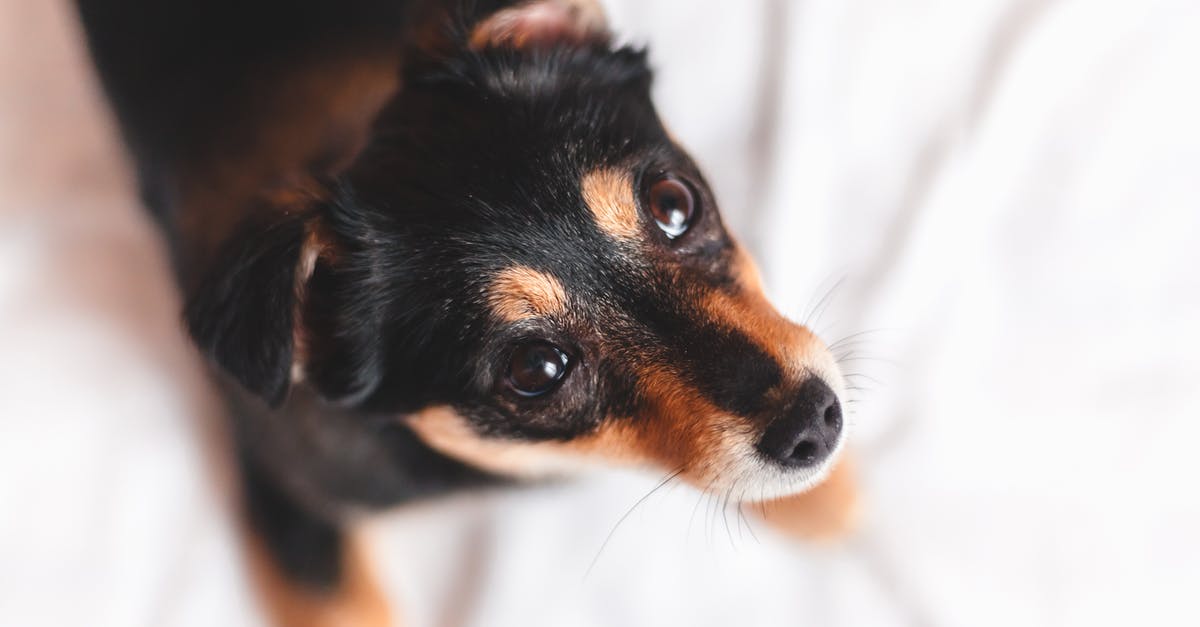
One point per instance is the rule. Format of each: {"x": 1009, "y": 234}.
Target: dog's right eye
{"x": 535, "y": 368}
{"x": 672, "y": 205}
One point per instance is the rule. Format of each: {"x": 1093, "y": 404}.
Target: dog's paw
{"x": 826, "y": 513}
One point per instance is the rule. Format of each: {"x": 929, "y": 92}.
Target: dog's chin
{"x": 752, "y": 478}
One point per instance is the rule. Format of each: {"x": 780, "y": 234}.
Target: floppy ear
{"x": 542, "y": 24}
{"x": 276, "y": 307}
{"x": 241, "y": 313}
{"x": 340, "y": 330}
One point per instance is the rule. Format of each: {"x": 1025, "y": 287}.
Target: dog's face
{"x": 524, "y": 267}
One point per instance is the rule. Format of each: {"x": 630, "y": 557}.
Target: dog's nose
{"x": 807, "y": 433}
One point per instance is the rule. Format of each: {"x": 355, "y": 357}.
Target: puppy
{"x": 428, "y": 246}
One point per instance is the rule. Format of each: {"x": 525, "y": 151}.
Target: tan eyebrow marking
{"x": 521, "y": 292}
{"x": 608, "y": 193}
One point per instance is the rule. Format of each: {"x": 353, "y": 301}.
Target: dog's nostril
{"x": 805, "y": 453}
{"x": 833, "y": 418}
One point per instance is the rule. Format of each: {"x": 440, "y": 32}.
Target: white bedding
{"x": 1006, "y": 193}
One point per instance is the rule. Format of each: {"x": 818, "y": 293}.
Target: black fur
{"x": 306, "y": 546}
{"x": 182, "y": 74}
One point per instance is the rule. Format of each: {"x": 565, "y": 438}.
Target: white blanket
{"x": 1004, "y": 194}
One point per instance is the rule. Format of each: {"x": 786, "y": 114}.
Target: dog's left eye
{"x": 535, "y": 368}
{"x": 672, "y": 205}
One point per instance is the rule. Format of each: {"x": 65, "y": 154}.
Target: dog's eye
{"x": 536, "y": 368}
{"x": 672, "y": 205}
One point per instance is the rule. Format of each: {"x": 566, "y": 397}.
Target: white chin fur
{"x": 752, "y": 478}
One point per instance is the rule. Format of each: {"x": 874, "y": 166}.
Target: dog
{"x": 434, "y": 245}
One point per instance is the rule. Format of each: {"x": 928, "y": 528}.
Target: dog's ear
{"x": 241, "y": 312}
{"x": 338, "y": 336}
{"x": 277, "y": 306}
{"x": 542, "y": 24}
{"x": 246, "y": 309}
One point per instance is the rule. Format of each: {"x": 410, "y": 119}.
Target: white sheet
{"x": 1007, "y": 192}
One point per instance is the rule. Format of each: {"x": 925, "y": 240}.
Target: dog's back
{"x": 219, "y": 100}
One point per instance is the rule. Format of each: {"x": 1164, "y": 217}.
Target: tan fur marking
{"x": 443, "y": 429}
{"x": 680, "y": 431}
{"x": 686, "y": 431}
{"x": 520, "y": 292}
{"x": 794, "y": 346}
{"x": 749, "y": 312}
{"x": 357, "y": 602}
{"x": 609, "y": 195}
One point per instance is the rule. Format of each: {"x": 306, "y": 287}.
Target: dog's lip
{"x": 791, "y": 481}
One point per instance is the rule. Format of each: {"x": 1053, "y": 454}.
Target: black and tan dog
{"x": 426, "y": 245}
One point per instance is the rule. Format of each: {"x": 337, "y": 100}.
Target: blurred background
{"x": 1001, "y": 196}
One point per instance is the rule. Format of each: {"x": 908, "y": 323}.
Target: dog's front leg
{"x": 355, "y": 600}
{"x": 828, "y": 511}
{"x": 308, "y": 572}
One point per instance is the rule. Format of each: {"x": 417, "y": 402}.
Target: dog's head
{"x": 525, "y": 266}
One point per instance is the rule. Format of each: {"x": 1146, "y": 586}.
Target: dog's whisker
{"x": 737, "y": 502}
{"x": 848, "y": 349}
{"x": 815, "y": 317}
{"x": 857, "y": 347}
{"x": 701, "y": 497}
{"x": 854, "y": 339}
{"x": 750, "y": 525}
{"x": 863, "y": 376}
{"x": 810, "y": 306}
{"x": 667, "y": 479}
{"x": 710, "y": 513}
{"x": 737, "y": 520}
{"x": 725, "y": 517}
{"x": 855, "y": 336}
{"x": 853, "y": 357}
